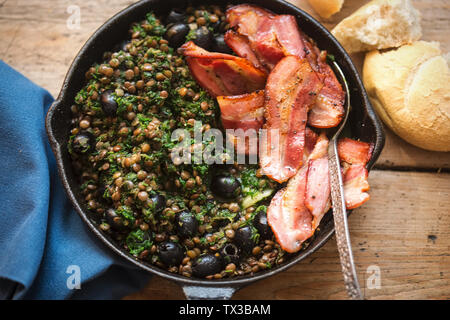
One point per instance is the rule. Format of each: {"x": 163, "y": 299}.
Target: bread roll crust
{"x": 410, "y": 89}
{"x": 380, "y": 24}
{"x": 326, "y": 8}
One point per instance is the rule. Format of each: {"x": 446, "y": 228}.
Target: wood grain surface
{"x": 404, "y": 229}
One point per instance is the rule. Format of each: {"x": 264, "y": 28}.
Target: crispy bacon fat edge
{"x": 223, "y": 74}
{"x": 244, "y": 112}
{"x": 263, "y": 36}
{"x": 354, "y": 156}
{"x": 290, "y": 90}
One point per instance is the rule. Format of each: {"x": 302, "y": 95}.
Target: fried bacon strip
{"x": 223, "y": 74}
{"x": 318, "y": 186}
{"x": 258, "y": 28}
{"x": 355, "y": 186}
{"x": 244, "y": 112}
{"x": 310, "y": 142}
{"x": 290, "y": 91}
{"x": 329, "y": 108}
{"x": 240, "y": 45}
{"x": 288, "y": 214}
{"x": 288, "y": 35}
{"x": 272, "y": 37}
{"x": 354, "y": 156}
{"x": 296, "y": 211}
{"x": 354, "y": 152}
{"x": 255, "y": 26}
{"x": 235, "y": 12}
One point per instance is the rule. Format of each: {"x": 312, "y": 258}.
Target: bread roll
{"x": 326, "y": 8}
{"x": 379, "y": 24}
{"x": 410, "y": 89}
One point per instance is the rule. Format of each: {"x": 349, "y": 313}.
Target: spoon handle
{"x": 341, "y": 225}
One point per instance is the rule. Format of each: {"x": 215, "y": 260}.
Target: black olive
{"x": 203, "y": 38}
{"x": 83, "y": 142}
{"x": 260, "y": 223}
{"x": 114, "y": 220}
{"x": 187, "y": 224}
{"x": 159, "y": 202}
{"x": 243, "y": 238}
{"x": 176, "y": 15}
{"x": 225, "y": 186}
{"x": 219, "y": 45}
{"x": 109, "y": 104}
{"x": 170, "y": 253}
{"x": 230, "y": 253}
{"x": 206, "y": 265}
{"x": 176, "y": 34}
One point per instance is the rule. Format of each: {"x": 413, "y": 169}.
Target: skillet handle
{"x": 208, "y": 293}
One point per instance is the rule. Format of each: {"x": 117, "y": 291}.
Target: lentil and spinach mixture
{"x": 193, "y": 219}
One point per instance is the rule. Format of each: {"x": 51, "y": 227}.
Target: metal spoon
{"x": 338, "y": 201}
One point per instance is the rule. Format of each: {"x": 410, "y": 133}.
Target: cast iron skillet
{"x": 363, "y": 124}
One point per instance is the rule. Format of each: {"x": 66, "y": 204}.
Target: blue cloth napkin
{"x": 44, "y": 245}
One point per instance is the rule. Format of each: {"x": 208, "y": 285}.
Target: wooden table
{"x": 404, "y": 229}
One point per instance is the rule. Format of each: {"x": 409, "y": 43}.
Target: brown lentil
{"x": 129, "y": 74}
{"x": 256, "y": 250}
{"x": 143, "y": 196}
{"x": 84, "y": 124}
{"x": 230, "y": 267}
{"x": 230, "y": 233}
{"x": 234, "y": 207}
